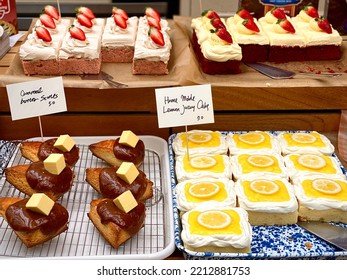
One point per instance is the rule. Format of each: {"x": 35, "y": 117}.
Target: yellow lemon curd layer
{"x": 329, "y": 168}
{"x": 217, "y": 168}
{"x": 279, "y": 196}
{"x": 221, "y": 195}
{"x": 248, "y": 167}
{"x": 312, "y": 192}
{"x": 233, "y": 228}
{"x": 265, "y": 144}
{"x": 318, "y": 143}
{"x": 214, "y": 142}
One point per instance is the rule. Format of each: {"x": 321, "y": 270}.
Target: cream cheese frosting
{"x": 212, "y": 47}
{"x": 219, "y": 238}
{"x": 95, "y": 31}
{"x": 215, "y": 143}
{"x": 114, "y": 36}
{"x": 145, "y": 48}
{"x": 224, "y": 195}
{"x": 73, "y": 48}
{"x": 282, "y": 201}
{"x": 61, "y": 27}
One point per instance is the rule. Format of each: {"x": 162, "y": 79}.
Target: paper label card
{"x": 180, "y": 106}
{"x": 36, "y": 98}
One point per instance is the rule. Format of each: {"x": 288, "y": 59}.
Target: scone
{"x": 34, "y": 178}
{"x": 113, "y": 224}
{"x": 33, "y": 228}
{"x": 106, "y": 182}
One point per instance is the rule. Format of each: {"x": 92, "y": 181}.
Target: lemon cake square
{"x": 268, "y": 200}
{"x": 260, "y": 142}
{"x": 200, "y": 142}
{"x": 254, "y": 165}
{"x": 321, "y": 198}
{"x": 302, "y": 142}
{"x": 193, "y": 167}
{"x": 216, "y": 228}
{"x": 191, "y": 193}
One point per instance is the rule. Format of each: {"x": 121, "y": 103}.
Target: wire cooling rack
{"x": 155, "y": 240}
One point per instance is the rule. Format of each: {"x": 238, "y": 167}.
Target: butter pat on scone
{"x": 128, "y": 138}
{"x": 55, "y": 163}
{"x": 40, "y": 203}
{"x": 64, "y": 143}
{"x": 126, "y": 201}
{"x": 127, "y": 172}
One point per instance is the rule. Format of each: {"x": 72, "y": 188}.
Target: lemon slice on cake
{"x": 326, "y": 186}
{"x": 260, "y": 160}
{"x": 252, "y": 138}
{"x": 312, "y": 161}
{"x": 304, "y": 138}
{"x": 203, "y": 189}
{"x": 264, "y": 187}
{"x": 203, "y": 162}
{"x": 214, "y": 219}
{"x": 199, "y": 137}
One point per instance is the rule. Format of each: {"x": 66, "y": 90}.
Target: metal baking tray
{"x": 268, "y": 242}
{"x": 82, "y": 240}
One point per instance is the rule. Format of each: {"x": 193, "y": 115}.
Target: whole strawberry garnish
{"x": 324, "y": 25}
{"x": 286, "y": 25}
{"x": 210, "y": 14}
{"x": 153, "y": 22}
{"x": 121, "y": 12}
{"x": 84, "y": 21}
{"x": 77, "y": 33}
{"x": 223, "y": 34}
{"x": 43, "y": 34}
{"x": 278, "y": 13}
{"x": 150, "y": 12}
{"x": 250, "y": 24}
{"x": 311, "y": 11}
{"x": 156, "y": 36}
{"x": 85, "y": 11}
{"x": 243, "y": 13}
{"x": 47, "y": 21}
{"x": 217, "y": 23}
{"x": 120, "y": 21}
{"x": 51, "y": 11}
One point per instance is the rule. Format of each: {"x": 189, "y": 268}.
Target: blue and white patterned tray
{"x": 268, "y": 242}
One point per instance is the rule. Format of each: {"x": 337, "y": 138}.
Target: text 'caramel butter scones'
{"x": 115, "y": 225}
{"x": 40, "y": 150}
{"x": 269, "y": 200}
{"x": 212, "y": 227}
{"x": 321, "y": 198}
{"x": 191, "y": 193}
{"x": 200, "y": 142}
{"x": 31, "y": 227}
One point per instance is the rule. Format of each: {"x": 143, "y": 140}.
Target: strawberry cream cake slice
{"x": 118, "y": 39}
{"x": 152, "y": 45}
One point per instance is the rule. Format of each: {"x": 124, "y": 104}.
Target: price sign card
{"x": 181, "y": 106}
{"x": 36, "y": 98}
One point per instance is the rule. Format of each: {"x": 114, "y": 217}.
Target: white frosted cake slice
{"x": 96, "y": 30}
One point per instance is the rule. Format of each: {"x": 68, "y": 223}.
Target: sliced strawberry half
{"x": 121, "y": 12}
{"x": 286, "y": 25}
{"x": 250, "y": 24}
{"x": 77, "y": 33}
{"x": 47, "y": 21}
{"x": 43, "y": 34}
{"x": 120, "y": 21}
{"x": 278, "y": 13}
{"x": 217, "y": 23}
{"x": 156, "y": 36}
{"x": 311, "y": 11}
{"x": 150, "y": 12}
{"x": 243, "y": 13}
{"x": 210, "y": 14}
{"x": 223, "y": 34}
{"x": 153, "y": 22}
{"x": 324, "y": 25}
{"x": 51, "y": 11}
{"x": 85, "y": 11}
{"x": 84, "y": 21}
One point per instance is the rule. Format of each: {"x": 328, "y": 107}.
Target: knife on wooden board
{"x": 330, "y": 233}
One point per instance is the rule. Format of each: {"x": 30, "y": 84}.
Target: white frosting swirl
{"x": 88, "y": 49}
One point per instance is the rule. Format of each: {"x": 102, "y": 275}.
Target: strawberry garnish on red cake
{"x": 84, "y": 21}
{"x": 243, "y": 13}
{"x": 311, "y": 11}
{"x": 156, "y": 36}
{"x": 121, "y": 12}
{"x": 85, "y": 11}
{"x": 43, "y": 34}
{"x": 153, "y": 22}
{"x": 286, "y": 25}
{"x": 47, "y": 21}
{"x": 210, "y": 14}
{"x": 77, "y": 33}
{"x": 120, "y": 21}
{"x": 324, "y": 25}
{"x": 51, "y": 11}
{"x": 251, "y": 25}
{"x": 223, "y": 34}
{"x": 278, "y": 13}
{"x": 150, "y": 12}
{"x": 217, "y": 23}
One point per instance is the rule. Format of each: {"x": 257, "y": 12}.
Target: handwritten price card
{"x": 36, "y": 98}
{"x": 181, "y": 106}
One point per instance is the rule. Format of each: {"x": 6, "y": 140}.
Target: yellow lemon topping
{"x": 253, "y": 140}
{"x": 301, "y": 139}
{"x": 253, "y": 163}
{"x": 200, "y": 139}
{"x": 325, "y": 188}
{"x": 211, "y": 163}
{"x": 261, "y": 190}
{"x": 311, "y": 161}
{"x": 214, "y": 222}
{"x": 202, "y": 191}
